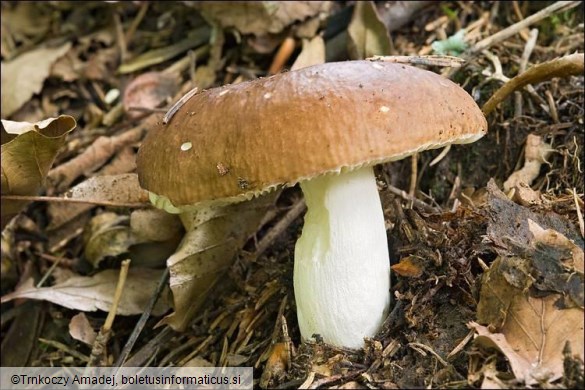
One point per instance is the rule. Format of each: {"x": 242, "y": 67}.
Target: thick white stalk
{"x": 342, "y": 268}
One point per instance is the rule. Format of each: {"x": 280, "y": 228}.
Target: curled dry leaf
{"x": 207, "y": 251}
{"x": 260, "y": 17}
{"x": 24, "y": 76}
{"x": 28, "y": 151}
{"x": 148, "y": 237}
{"x": 91, "y": 293}
{"x": 148, "y": 91}
{"x": 368, "y": 35}
{"x": 107, "y": 235}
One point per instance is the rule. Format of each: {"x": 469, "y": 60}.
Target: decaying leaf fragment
{"x": 28, "y": 151}
{"x": 148, "y": 237}
{"x": 531, "y": 299}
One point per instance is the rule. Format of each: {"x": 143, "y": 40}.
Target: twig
{"x": 461, "y": 345}
{"x": 101, "y": 150}
{"x": 413, "y": 174}
{"x": 431, "y": 60}
{"x": 559, "y": 67}
{"x": 65, "y": 348}
{"x": 117, "y": 296}
{"x": 48, "y": 273}
{"x": 419, "y": 347}
{"x": 74, "y": 200}
{"x": 98, "y": 351}
{"x": 136, "y": 22}
{"x": 513, "y": 29}
{"x": 292, "y": 214}
{"x": 579, "y": 213}
{"x": 528, "y": 48}
{"x": 142, "y": 321}
{"x": 283, "y": 54}
{"x": 168, "y": 116}
{"x": 120, "y": 36}
{"x": 415, "y": 201}
{"x": 441, "y": 155}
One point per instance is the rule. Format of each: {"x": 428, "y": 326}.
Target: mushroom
{"x": 324, "y": 127}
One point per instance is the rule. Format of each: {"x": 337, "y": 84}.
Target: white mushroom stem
{"x": 342, "y": 268}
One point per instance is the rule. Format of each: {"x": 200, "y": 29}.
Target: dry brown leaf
{"x": 24, "y": 76}
{"x": 533, "y": 336}
{"x": 313, "y": 53}
{"x": 80, "y": 329}
{"x": 276, "y": 365}
{"x": 148, "y": 91}
{"x": 91, "y": 293}
{"x": 260, "y": 18}
{"x": 207, "y": 251}
{"x": 122, "y": 188}
{"x": 23, "y": 22}
{"x": 410, "y": 267}
{"x": 531, "y": 298}
{"x": 28, "y": 151}
{"x": 61, "y": 213}
{"x": 368, "y": 36}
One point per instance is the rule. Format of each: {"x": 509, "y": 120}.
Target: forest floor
{"x": 486, "y": 244}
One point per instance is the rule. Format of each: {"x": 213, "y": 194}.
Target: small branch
{"x": 413, "y": 174}
{"x": 506, "y": 33}
{"x": 430, "y": 60}
{"x": 142, "y": 320}
{"x": 99, "y": 351}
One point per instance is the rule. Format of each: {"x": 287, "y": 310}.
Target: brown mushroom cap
{"x": 241, "y": 140}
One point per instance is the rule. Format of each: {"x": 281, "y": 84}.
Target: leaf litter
{"x": 449, "y": 235}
